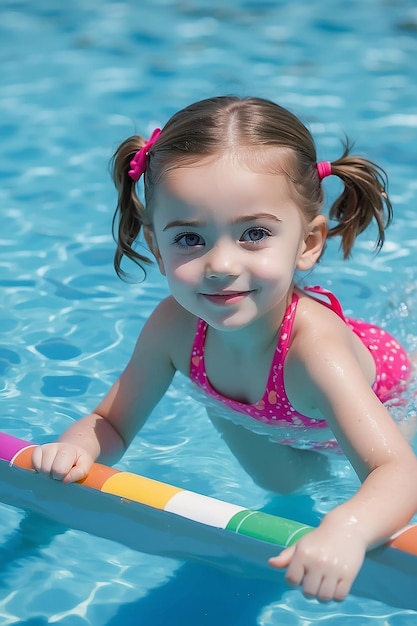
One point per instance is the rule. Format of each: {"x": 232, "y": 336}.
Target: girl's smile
{"x": 227, "y": 298}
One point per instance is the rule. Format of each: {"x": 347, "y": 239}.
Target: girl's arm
{"x": 326, "y": 561}
{"x": 106, "y": 433}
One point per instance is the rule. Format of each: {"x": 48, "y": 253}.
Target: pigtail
{"x": 130, "y": 214}
{"x": 364, "y": 198}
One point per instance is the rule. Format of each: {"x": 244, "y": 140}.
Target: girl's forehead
{"x": 223, "y": 173}
{"x": 225, "y": 187}
{"x": 229, "y": 181}
{"x": 259, "y": 159}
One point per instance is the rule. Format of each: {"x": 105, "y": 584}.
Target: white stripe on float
{"x": 203, "y": 509}
{"x": 13, "y": 459}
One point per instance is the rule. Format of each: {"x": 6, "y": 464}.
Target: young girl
{"x": 233, "y": 208}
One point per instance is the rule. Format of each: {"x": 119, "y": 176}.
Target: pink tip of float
{"x": 11, "y": 446}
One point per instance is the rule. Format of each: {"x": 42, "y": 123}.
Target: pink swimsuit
{"x": 392, "y": 368}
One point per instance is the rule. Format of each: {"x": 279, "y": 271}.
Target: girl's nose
{"x": 223, "y": 260}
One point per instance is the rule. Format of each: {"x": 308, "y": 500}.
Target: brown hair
{"x": 229, "y": 123}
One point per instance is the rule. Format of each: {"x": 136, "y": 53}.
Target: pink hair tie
{"x": 138, "y": 163}
{"x": 324, "y": 168}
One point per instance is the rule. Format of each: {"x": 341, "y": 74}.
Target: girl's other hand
{"x": 62, "y": 461}
{"x": 323, "y": 563}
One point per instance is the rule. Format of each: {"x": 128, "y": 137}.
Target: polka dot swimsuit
{"x": 392, "y": 367}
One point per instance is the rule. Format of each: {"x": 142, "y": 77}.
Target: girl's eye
{"x": 254, "y": 235}
{"x": 189, "y": 240}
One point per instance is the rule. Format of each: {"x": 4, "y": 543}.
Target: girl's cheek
{"x": 182, "y": 271}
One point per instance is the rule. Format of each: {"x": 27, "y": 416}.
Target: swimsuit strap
{"x": 197, "y": 368}
{"x": 283, "y": 343}
{"x": 333, "y": 304}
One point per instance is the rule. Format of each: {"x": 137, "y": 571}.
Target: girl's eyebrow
{"x": 242, "y": 219}
{"x": 256, "y": 217}
{"x": 184, "y": 224}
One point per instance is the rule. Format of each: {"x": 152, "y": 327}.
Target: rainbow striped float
{"x": 158, "y": 518}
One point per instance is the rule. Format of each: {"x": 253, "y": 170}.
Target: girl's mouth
{"x": 226, "y": 298}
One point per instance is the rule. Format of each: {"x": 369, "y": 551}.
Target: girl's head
{"x": 265, "y": 137}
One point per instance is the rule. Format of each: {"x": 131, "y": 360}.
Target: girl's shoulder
{"x": 325, "y": 359}
{"x": 322, "y": 339}
{"x": 316, "y": 323}
{"x": 317, "y": 307}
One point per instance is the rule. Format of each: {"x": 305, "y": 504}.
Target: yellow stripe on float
{"x": 140, "y": 489}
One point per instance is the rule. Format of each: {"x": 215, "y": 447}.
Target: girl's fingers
{"x": 283, "y": 559}
{"x": 37, "y": 458}
{"x": 311, "y": 577}
{"x": 76, "y": 473}
{"x": 342, "y": 589}
{"x": 62, "y": 462}
{"x": 326, "y": 589}
{"x": 43, "y": 457}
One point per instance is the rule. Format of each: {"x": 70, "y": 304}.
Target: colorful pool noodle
{"x": 188, "y": 504}
{"x": 159, "y": 518}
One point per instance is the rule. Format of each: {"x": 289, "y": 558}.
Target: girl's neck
{"x": 257, "y": 337}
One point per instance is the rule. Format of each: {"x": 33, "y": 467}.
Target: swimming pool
{"x": 77, "y": 79}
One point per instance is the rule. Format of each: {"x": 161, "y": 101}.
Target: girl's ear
{"x": 314, "y": 243}
{"x": 153, "y": 247}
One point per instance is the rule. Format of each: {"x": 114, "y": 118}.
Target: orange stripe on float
{"x": 406, "y": 541}
{"x": 140, "y": 489}
{"x": 98, "y": 475}
{"x": 24, "y": 458}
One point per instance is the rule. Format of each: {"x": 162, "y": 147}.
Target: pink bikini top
{"x": 274, "y": 407}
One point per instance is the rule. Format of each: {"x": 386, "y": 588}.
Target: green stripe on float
{"x": 268, "y": 527}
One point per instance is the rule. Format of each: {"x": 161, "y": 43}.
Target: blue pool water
{"x": 76, "y": 78}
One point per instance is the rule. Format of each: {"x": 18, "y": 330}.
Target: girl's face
{"x": 229, "y": 240}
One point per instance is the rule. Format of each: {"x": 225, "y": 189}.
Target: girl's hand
{"x": 324, "y": 562}
{"x": 62, "y": 461}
